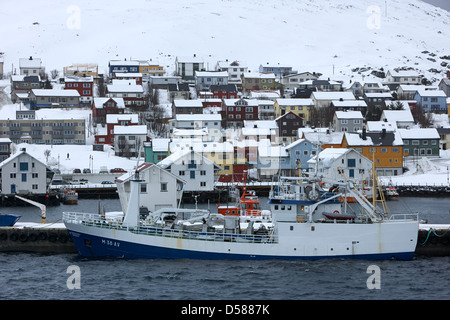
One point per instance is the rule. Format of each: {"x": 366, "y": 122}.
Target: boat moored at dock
{"x": 300, "y": 233}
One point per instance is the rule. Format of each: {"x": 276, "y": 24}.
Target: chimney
{"x": 364, "y": 133}
{"x": 31, "y": 58}
{"x": 383, "y": 133}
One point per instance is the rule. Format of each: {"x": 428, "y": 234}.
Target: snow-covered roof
{"x": 189, "y": 132}
{"x": 140, "y": 130}
{"x": 201, "y": 146}
{"x": 404, "y": 73}
{"x": 295, "y": 102}
{"x": 419, "y": 133}
{"x": 124, "y": 86}
{"x": 320, "y": 138}
{"x": 354, "y": 139}
{"x": 128, "y": 75}
{"x": 329, "y": 155}
{"x": 398, "y": 115}
{"x": 99, "y": 102}
{"x": 349, "y": 115}
{"x": 431, "y": 93}
{"x": 232, "y": 102}
{"x": 180, "y": 154}
{"x": 269, "y": 94}
{"x": 212, "y": 74}
{"x": 115, "y": 118}
{"x": 197, "y": 103}
{"x": 414, "y": 88}
{"x": 21, "y": 77}
{"x": 259, "y": 75}
{"x": 70, "y": 78}
{"x": 350, "y": 103}
{"x": 266, "y": 124}
{"x": 55, "y": 93}
{"x": 160, "y": 144}
{"x": 334, "y": 95}
{"x": 378, "y": 126}
{"x": 378, "y": 95}
{"x": 199, "y": 117}
{"x": 27, "y": 63}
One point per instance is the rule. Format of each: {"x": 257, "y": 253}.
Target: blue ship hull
{"x": 8, "y": 220}
{"x": 99, "y": 247}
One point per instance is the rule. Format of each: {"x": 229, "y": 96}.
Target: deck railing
{"x": 98, "y": 221}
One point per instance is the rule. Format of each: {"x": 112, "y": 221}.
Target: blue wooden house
{"x": 123, "y": 66}
{"x": 432, "y": 100}
{"x": 285, "y": 161}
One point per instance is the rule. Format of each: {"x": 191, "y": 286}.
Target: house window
{"x": 23, "y": 166}
{"x": 384, "y": 150}
{"x": 415, "y": 142}
{"x": 164, "y": 187}
{"x": 181, "y": 173}
{"x": 351, "y": 163}
{"x": 34, "y": 186}
{"x": 34, "y": 175}
{"x": 143, "y": 188}
{"x": 202, "y": 184}
{"x": 12, "y": 175}
{"x": 203, "y": 173}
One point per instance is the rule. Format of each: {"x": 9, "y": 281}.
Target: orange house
{"x": 384, "y": 148}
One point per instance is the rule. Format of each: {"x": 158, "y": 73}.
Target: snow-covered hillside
{"x": 310, "y": 35}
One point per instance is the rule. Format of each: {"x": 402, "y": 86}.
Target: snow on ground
{"x": 313, "y": 35}
{"x": 69, "y": 157}
{"x": 424, "y": 172}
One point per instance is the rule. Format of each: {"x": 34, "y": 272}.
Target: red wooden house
{"x": 103, "y": 106}
{"x": 106, "y": 134}
{"x": 228, "y": 91}
{"x": 84, "y": 86}
{"x": 235, "y": 111}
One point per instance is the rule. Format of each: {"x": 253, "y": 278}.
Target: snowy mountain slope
{"x": 310, "y": 35}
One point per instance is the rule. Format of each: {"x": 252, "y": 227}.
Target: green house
{"x": 420, "y": 142}
{"x": 156, "y": 150}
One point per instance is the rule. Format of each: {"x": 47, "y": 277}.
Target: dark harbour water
{"x": 25, "y": 276}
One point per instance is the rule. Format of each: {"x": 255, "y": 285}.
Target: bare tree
{"x": 54, "y": 73}
{"x": 101, "y": 87}
{"x": 47, "y": 153}
{"x": 424, "y": 119}
{"x": 322, "y": 117}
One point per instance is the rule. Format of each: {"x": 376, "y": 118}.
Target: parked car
{"x": 107, "y": 182}
{"x": 118, "y": 170}
{"x": 76, "y": 171}
{"x": 86, "y": 170}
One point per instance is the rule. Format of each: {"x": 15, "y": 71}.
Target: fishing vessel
{"x": 247, "y": 208}
{"x": 300, "y": 231}
{"x": 68, "y": 196}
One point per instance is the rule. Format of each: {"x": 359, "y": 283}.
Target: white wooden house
{"x": 25, "y": 175}
{"x": 158, "y": 189}
{"x": 197, "y": 170}
{"x": 339, "y": 164}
